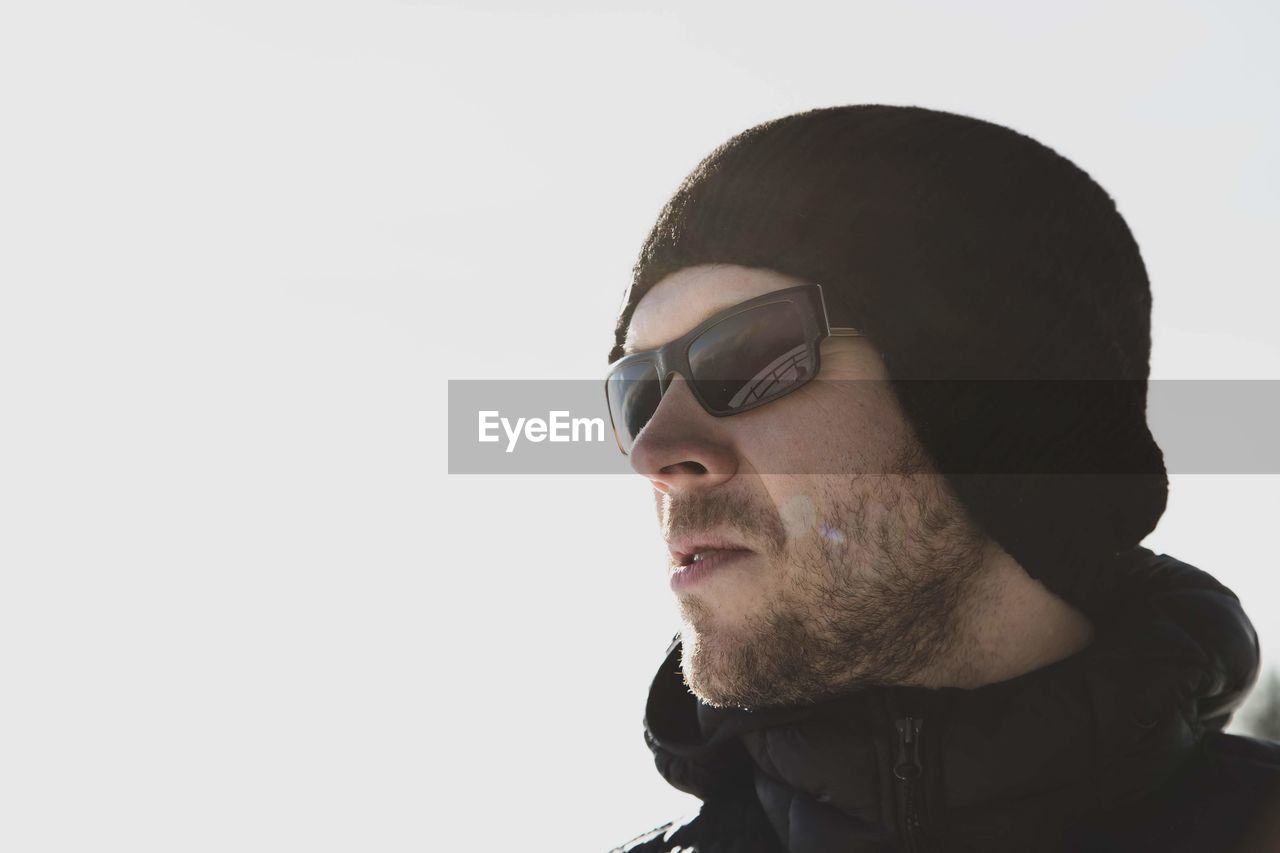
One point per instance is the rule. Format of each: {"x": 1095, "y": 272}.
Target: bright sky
{"x": 245, "y": 244}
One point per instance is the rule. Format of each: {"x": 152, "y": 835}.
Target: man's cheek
{"x": 799, "y": 516}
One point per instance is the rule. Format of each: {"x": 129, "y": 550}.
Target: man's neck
{"x": 1011, "y": 624}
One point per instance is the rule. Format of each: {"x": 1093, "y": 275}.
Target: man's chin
{"x": 719, "y": 667}
{"x": 752, "y": 662}
{"x": 704, "y": 678}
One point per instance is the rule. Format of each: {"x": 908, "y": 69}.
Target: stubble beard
{"x": 881, "y": 606}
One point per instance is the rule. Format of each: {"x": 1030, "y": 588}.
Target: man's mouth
{"x": 695, "y": 557}
{"x": 700, "y": 556}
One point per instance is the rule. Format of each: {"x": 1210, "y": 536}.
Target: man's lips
{"x": 695, "y": 557}
{"x": 696, "y": 547}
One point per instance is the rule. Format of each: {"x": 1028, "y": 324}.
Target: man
{"x": 885, "y": 369}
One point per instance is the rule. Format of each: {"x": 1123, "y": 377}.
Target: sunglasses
{"x": 737, "y": 360}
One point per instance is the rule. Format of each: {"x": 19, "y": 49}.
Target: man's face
{"x": 807, "y": 584}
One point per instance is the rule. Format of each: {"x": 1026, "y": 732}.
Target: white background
{"x": 243, "y": 245}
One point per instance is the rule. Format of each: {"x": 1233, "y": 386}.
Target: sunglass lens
{"x": 634, "y": 394}
{"x": 751, "y": 357}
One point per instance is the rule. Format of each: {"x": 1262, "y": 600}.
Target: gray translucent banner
{"x": 494, "y": 428}
{"x": 1202, "y": 426}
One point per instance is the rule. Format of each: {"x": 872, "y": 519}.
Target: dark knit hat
{"x": 964, "y": 251}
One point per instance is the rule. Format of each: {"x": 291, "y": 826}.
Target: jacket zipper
{"x": 909, "y": 772}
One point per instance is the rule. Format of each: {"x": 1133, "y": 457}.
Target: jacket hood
{"x": 1174, "y": 654}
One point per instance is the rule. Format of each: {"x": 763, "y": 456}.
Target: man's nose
{"x": 682, "y": 448}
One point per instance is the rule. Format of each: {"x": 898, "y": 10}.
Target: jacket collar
{"x": 1173, "y": 655}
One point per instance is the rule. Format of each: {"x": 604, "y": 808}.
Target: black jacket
{"x": 1116, "y": 748}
